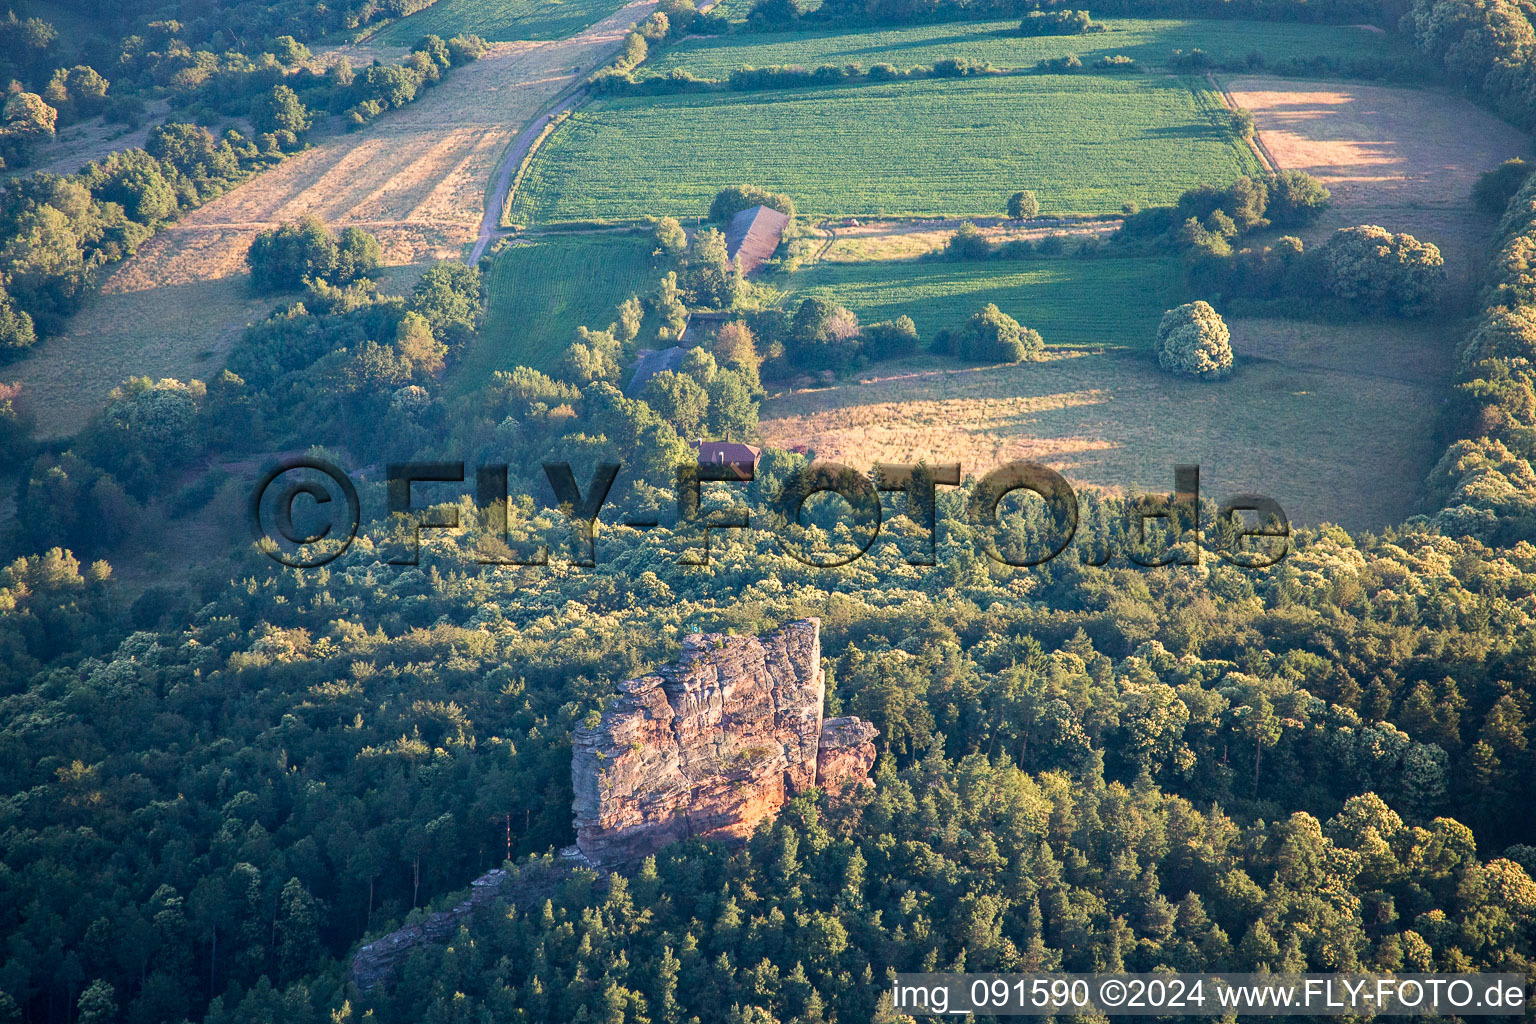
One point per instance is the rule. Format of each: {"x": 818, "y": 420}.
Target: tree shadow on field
{"x": 1327, "y": 444}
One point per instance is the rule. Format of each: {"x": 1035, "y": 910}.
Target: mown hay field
{"x": 1084, "y": 143}
{"x": 1150, "y": 41}
{"x": 1329, "y": 420}
{"x": 416, "y": 177}
{"x": 1402, "y": 158}
{"x": 539, "y": 293}
{"x": 1111, "y": 303}
{"x": 499, "y": 20}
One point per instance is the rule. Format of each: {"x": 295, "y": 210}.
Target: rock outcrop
{"x": 847, "y": 752}
{"x": 709, "y": 746}
{"x": 527, "y": 883}
{"x": 712, "y": 745}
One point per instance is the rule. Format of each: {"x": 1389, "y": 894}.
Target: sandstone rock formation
{"x": 846, "y": 754}
{"x": 525, "y": 884}
{"x": 712, "y": 745}
{"x": 708, "y": 746}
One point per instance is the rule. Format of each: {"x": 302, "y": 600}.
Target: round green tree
{"x": 992, "y": 336}
{"x": 1193, "y": 341}
{"x": 1393, "y": 273}
{"x": 1023, "y": 205}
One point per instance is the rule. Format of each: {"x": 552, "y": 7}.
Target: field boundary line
{"x": 497, "y": 198}
{"x": 549, "y": 129}
{"x": 1255, "y": 141}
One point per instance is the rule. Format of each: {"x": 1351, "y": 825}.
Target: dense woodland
{"x": 213, "y": 789}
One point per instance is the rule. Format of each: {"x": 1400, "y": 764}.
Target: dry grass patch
{"x": 1308, "y": 418}
{"x": 900, "y": 240}
{"x": 1402, "y": 158}
{"x": 94, "y": 139}
{"x": 1377, "y": 145}
{"x": 417, "y": 178}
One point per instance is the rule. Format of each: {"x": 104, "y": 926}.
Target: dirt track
{"x": 417, "y": 177}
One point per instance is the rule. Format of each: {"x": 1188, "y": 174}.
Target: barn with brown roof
{"x": 740, "y": 458}
{"x": 753, "y": 235}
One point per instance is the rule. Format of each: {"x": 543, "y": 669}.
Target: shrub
{"x": 1193, "y": 341}
{"x": 1057, "y": 23}
{"x": 967, "y": 243}
{"x": 285, "y": 257}
{"x": 1242, "y": 123}
{"x": 1495, "y": 188}
{"x": 959, "y": 67}
{"x": 1387, "y": 272}
{"x": 1192, "y": 60}
{"x": 889, "y": 339}
{"x": 16, "y": 330}
{"x": 357, "y": 254}
{"x": 280, "y": 110}
{"x": 670, "y": 237}
{"x": 1502, "y": 334}
{"x": 1295, "y": 199}
{"x": 680, "y": 13}
{"x": 635, "y": 51}
{"x": 1023, "y": 205}
{"x": 992, "y": 336}
{"x": 822, "y": 335}
{"x": 655, "y": 27}
{"x": 465, "y": 49}
{"x": 883, "y": 73}
{"x": 1060, "y": 65}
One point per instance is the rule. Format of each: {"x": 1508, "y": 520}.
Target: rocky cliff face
{"x": 712, "y": 745}
{"x": 709, "y": 746}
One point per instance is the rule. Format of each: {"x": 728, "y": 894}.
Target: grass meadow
{"x": 953, "y": 147}
{"x": 1110, "y": 303}
{"x": 1149, "y": 41}
{"x": 1328, "y": 419}
{"x": 499, "y": 21}
{"x": 538, "y": 294}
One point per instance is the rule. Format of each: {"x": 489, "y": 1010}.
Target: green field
{"x": 540, "y": 293}
{"x": 1113, "y": 303}
{"x": 499, "y": 20}
{"x": 1084, "y": 143}
{"x": 1149, "y": 41}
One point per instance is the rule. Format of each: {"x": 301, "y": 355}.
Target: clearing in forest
{"x": 417, "y": 178}
{"x": 540, "y": 292}
{"x": 1149, "y": 41}
{"x": 951, "y": 147}
{"x": 1402, "y": 158}
{"x": 1322, "y": 429}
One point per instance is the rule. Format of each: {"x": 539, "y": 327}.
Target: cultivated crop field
{"x": 1318, "y": 425}
{"x": 1083, "y": 143}
{"x": 499, "y": 20}
{"x": 1149, "y": 40}
{"x": 1088, "y": 302}
{"x": 540, "y": 293}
